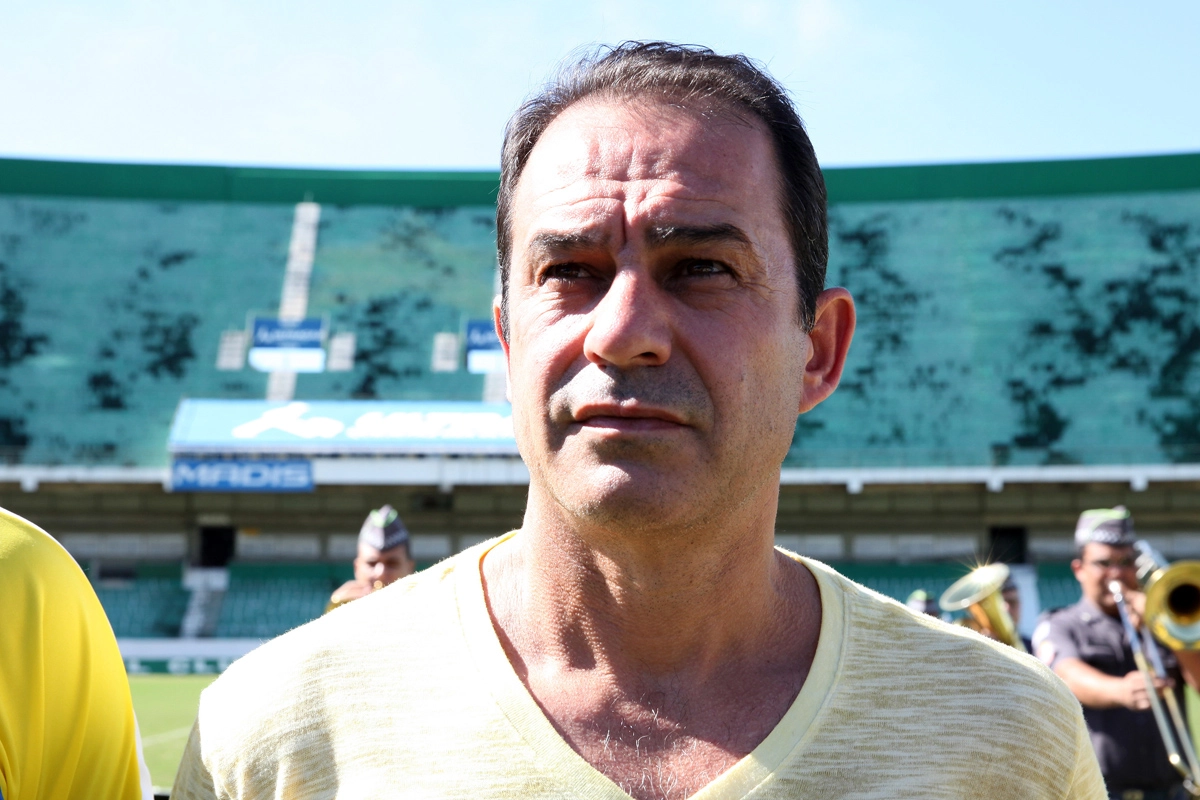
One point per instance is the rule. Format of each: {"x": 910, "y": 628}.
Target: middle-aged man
{"x": 1087, "y": 646}
{"x": 661, "y": 236}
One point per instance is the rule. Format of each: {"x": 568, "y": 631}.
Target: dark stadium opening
{"x": 1008, "y": 543}
{"x": 432, "y": 502}
{"x": 216, "y": 545}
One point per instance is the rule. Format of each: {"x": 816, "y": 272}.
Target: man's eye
{"x": 564, "y": 272}
{"x": 701, "y": 268}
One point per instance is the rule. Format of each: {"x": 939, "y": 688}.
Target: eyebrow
{"x": 549, "y": 242}
{"x": 683, "y": 235}
{"x": 656, "y": 236}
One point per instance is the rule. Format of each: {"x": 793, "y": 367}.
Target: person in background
{"x": 1011, "y": 596}
{"x": 923, "y": 602}
{"x": 383, "y": 557}
{"x": 1086, "y": 645}
{"x": 67, "y": 730}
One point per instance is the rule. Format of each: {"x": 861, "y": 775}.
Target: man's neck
{"x": 679, "y": 602}
{"x": 697, "y": 639}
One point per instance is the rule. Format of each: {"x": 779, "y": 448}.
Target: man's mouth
{"x": 627, "y": 417}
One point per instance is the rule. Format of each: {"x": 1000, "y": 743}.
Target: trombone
{"x": 1173, "y": 616}
{"x": 978, "y": 592}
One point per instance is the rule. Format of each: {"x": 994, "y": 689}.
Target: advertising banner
{"x": 342, "y": 427}
{"x": 278, "y": 345}
{"x": 484, "y": 353}
{"x": 198, "y": 475}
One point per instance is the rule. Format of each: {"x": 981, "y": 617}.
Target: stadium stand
{"x": 151, "y": 604}
{"x": 264, "y": 600}
{"x": 1057, "y": 586}
{"x": 1010, "y": 314}
{"x": 1029, "y": 346}
{"x": 115, "y": 309}
{"x": 898, "y": 581}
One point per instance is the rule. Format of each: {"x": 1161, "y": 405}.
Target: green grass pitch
{"x": 166, "y": 708}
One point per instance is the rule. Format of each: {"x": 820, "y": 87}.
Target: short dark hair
{"x": 682, "y": 74}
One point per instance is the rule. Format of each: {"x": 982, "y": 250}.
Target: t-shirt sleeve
{"x": 193, "y": 781}
{"x": 1053, "y": 641}
{"x": 1086, "y": 781}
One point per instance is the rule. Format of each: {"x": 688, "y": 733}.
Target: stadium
{"x": 212, "y": 374}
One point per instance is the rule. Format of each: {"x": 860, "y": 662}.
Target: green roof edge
{"x": 1131, "y": 174}
{"x": 450, "y": 188}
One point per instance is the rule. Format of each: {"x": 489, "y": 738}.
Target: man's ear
{"x": 498, "y": 322}
{"x": 829, "y": 340}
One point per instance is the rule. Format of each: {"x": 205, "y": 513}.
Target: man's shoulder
{"x": 37, "y": 571}
{"x": 27, "y": 550}
{"x": 385, "y": 641}
{"x": 886, "y": 639}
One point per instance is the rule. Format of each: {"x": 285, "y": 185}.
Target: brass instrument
{"x": 1172, "y": 615}
{"x": 1172, "y": 598}
{"x": 978, "y": 593}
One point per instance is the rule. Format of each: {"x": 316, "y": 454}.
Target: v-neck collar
{"x": 579, "y": 777}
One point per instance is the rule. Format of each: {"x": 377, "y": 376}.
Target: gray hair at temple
{"x": 699, "y": 79}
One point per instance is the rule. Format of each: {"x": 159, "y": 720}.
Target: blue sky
{"x": 430, "y": 85}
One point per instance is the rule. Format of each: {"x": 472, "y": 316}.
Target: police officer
{"x": 383, "y": 557}
{"x": 1086, "y": 645}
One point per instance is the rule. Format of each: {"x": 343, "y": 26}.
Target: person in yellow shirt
{"x": 67, "y": 729}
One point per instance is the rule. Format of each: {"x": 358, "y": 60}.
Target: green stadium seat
{"x": 144, "y": 606}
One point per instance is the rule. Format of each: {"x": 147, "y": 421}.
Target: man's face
{"x": 1012, "y": 599}
{"x": 1099, "y": 565}
{"x": 656, "y": 362}
{"x": 386, "y": 566}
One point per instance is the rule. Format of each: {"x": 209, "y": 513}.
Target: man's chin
{"x": 618, "y": 496}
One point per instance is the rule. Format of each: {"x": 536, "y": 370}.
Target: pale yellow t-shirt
{"x": 408, "y": 693}
{"x": 67, "y": 730}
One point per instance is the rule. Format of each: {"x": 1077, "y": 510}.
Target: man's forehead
{"x": 1101, "y": 550}
{"x": 601, "y": 157}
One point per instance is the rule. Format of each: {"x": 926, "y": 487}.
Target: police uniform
{"x": 1128, "y": 745}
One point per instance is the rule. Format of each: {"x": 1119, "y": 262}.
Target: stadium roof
{"x": 1018, "y": 321}
{"x": 1162, "y": 173}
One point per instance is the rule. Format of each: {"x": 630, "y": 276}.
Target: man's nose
{"x": 630, "y": 326}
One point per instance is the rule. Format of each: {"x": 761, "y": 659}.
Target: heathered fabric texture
{"x": 408, "y": 693}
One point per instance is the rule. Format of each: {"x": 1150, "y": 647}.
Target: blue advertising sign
{"x": 196, "y": 475}
{"x": 335, "y": 427}
{"x": 484, "y": 353}
{"x": 278, "y": 345}
{"x": 305, "y": 333}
